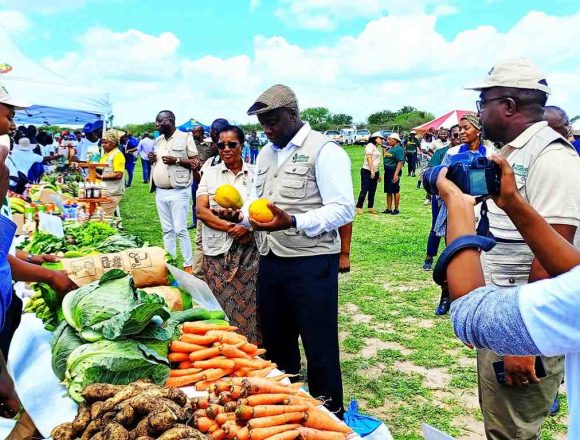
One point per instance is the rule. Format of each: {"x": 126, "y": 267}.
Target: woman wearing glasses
{"x": 230, "y": 261}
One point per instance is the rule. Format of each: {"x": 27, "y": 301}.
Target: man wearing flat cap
{"x": 306, "y": 176}
{"x": 547, "y": 171}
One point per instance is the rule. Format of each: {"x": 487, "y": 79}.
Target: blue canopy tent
{"x": 189, "y": 125}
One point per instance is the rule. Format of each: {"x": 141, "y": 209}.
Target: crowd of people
{"x": 277, "y": 280}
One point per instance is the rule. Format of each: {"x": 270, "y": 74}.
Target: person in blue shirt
{"x": 246, "y": 155}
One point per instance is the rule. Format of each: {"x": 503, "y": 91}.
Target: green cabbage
{"x": 115, "y": 362}
{"x": 111, "y": 308}
{"x": 64, "y": 341}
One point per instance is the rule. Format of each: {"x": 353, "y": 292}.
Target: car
{"x": 262, "y": 138}
{"x": 348, "y": 135}
{"x": 334, "y": 135}
{"x": 361, "y": 136}
{"x": 386, "y": 133}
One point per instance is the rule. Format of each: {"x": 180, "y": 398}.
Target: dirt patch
{"x": 474, "y": 429}
{"x": 373, "y": 345}
{"x": 350, "y": 308}
{"x": 465, "y": 398}
{"x": 434, "y": 378}
{"x": 420, "y": 323}
{"x": 342, "y": 335}
{"x": 359, "y": 317}
{"x": 407, "y": 287}
{"x": 373, "y": 373}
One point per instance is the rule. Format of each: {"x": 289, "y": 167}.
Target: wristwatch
{"x": 29, "y": 258}
{"x": 177, "y": 161}
{"x": 293, "y": 221}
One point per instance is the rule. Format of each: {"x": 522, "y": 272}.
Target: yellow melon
{"x": 227, "y": 196}
{"x": 260, "y": 212}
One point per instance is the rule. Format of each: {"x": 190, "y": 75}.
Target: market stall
{"x": 447, "y": 120}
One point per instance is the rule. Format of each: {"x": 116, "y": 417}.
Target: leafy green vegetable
{"x": 114, "y": 362}
{"x": 118, "y": 243}
{"x": 64, "y": 341}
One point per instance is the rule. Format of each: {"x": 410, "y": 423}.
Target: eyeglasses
{"x": 455, "y": 135}
{"x": 230, "y": 144}
{"x": 480, "y": 104}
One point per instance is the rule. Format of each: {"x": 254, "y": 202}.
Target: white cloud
{"x": 442, "y": 10}
{"x": 254, "y": 4}
{"x": 15, "y": 22}
{"x": 358, "y": 74}
{"x": 42, "y": 6}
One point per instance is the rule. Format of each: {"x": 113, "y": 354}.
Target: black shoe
{"x": 413, "y": 174}
{"x": 395, "y": 212}
{"x": 191, "y": 226}
{"x": 443, "y": 307}
{"x": 387, "y": 211}
{"x": 428, "y": 265}
{"x": 418, "y": 184}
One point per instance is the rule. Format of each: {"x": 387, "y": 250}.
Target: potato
{"x": 96, "y": 409}
{"x": 82, "y": 419}
{"x": 63, "y": 431}
{"x": 127, "y": 417}
{"x": 179, "y": 432}
{"x": 114, "y": 431}
{"x": 161, "y": 421}
{"x": 131, "y": 390}
{"x": 100, "y": 391}
{"x": 91, "y": 429}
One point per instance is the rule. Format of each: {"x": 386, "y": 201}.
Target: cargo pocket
{"x": 293, "y": 238}
{"x": 213, "y": 240}
{"x": 260, "y": 176}
{"x": 294, "y": 182}
{"x": 182, "y": 176}
{"x": 511, "y": 275}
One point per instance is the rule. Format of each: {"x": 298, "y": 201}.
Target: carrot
{"x": 281, "y": 377}
{"x": 261, "y": 373}
{"x": 232, "y": 351}
{"x": 249, "y": 348}
{"x": 315, "y": 434}
{"x": 200, "y": 413}
{"x": 184, "y": 372}
{"x": 185, "y": 347}
{"x": 214, "y": 410}
{"x": 231, "y": 407}
{"x": 317, "y": 419}
{"x": 200, "y": 328}
{"x": 215, "y": 363}
{"x": 213, "y": 428}
{"x": 222, "y": 418}
{"x": 203, "y": 424}
{"x": 216, "y": 373}
{"x": 198, "y": 339}
{"x": 252, "y": 412}
{"x": 231, "y": 429}
{"x": 257, "y": 385}
{"x": 207, "y": 353}
{"x": 286, "y": 435}
{"x": 203, "y": 385}
{"x": 219, "y": 434}
{"x": 225, "y": 397}
{"x": 221, "y": 385}
{"x": 182, "y": 381}
{"x": 302, "y": 400}
{"x": 185, "y": 364}
{"x": 265, "y": 433}
{"x": 227, "y": 335}
{"x": 266, "y": 422}
{"x": 242, "y": 372}
{"x": 266, "y": 399}
{"x": 260, "y": 352}
{"x": 178, "y": 357}
{"x": 251, "y": 363}
{"x": 200, "y": 402}
{"x": 296, "y": 385}
{"x": 242, "y": 434}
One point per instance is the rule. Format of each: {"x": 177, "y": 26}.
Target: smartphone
{"x": 499, "y": 369}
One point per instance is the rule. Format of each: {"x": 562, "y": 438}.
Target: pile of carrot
{"x": 263, "y": 409}
{"x": 206, "y": 353}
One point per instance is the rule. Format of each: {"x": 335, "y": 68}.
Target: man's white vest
{"x": 292, "y": 187}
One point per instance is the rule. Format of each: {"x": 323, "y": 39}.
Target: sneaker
{"x": 358, "y": 211}
{"x": 426, "y": 202}
{"x": 413, "y": 174}
{"x": 428, "y": 265}
{"x": 387, "y": 211}
{"x": 372, "y": 211}
{"x": 419, "y": 184}
{"x": 191, "y": 226}
{"x": 443, "y": 307}
{"x": 395, "y": 212}
{"x": 555, "y": 408}
{"x": 188, "y": 269}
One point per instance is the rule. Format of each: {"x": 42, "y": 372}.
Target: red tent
{"x": 447, "y": 120}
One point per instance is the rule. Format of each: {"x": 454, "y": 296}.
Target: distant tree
{"x": 249, "y": 127}
{"x": 381, "y": 118}
{"x": 139, "y": 128}
{"x": 341, "y": 119}
{"x": 316, "y": 116}
{"x": 406, "y": 109}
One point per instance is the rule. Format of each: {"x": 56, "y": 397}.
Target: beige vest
{"x": 114, "y": 187}
{"x": 509, "y": 264}
{"x": 179, "y": 177}
{"x": 293, "y": 188}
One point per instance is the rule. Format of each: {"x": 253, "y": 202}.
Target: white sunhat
{"x": 377, "y": 134}
{"x": 24, "y": 145}
{"x": 518, "y": 73}
{"x": 394, "y": 135}
{"x": 5, "y": 98}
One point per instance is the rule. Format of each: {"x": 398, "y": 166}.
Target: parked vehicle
{"x": 262, "y": 138}
{"x": 348, "y": 135}
{"x": 362, "y": 136}
{"x": 334, "y": 135}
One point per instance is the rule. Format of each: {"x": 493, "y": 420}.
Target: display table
{"x": 93, "y": 203}
{"x": 92, "y": 167}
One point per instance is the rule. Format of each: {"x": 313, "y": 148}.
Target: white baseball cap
{"x": 377, "y": 134}
{"x": 394, "y": 135}
{"x": 5, "y": 98}
{"x": 518, "y": 73}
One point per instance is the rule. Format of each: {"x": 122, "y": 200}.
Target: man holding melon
{"x": 301, "y": 195}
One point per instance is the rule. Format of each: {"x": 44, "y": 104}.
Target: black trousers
{"x": 367, "y": 185}
{"x": 11, "y": 323}
{"x": 299, "y": 297}
{"x": 411, "y": 162}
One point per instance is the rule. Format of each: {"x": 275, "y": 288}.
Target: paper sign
{"x": 51, "y": 224}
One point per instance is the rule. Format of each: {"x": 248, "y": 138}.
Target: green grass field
{"x": 401, "y": 362}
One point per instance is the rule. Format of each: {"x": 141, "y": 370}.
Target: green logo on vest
{"x": 300, "y": 158}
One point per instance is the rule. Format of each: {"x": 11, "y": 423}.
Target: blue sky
{"x": 209, "y": 59}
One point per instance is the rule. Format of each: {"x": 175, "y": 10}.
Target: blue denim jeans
{"x": 433, "y": 240}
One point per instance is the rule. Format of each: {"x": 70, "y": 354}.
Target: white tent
{"x": 55, "y": 101}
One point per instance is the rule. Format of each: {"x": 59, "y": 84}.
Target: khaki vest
{"x": 114, "y": 187}
{"x": 293, "y": 188}
{"x": 509, "y": 263}
{"x": 179, "y": 177}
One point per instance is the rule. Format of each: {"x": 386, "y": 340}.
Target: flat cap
{"x": 517, "y": 73}
{"x": 277, "y": 96}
